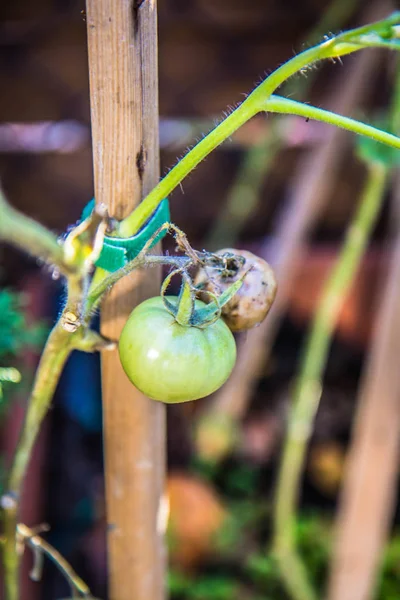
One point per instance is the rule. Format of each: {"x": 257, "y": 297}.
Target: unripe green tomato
{"x": 174, "y": 363}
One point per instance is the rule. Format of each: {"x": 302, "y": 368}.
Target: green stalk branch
{"x": 308, "y": 387}
{"x": 103, "y": 281}
{"x": 106, "y": 283}
{"x": 224, "y": 130}
{"x": 67, "y": 335}
{"x": 385, "y": 33}
{"x": 244, "y": 194}
{"x": 276, "y": 104}
{"x": 30, "y": 236}
{"x": 56, "y": 352}
{"x": 379, "y": 34}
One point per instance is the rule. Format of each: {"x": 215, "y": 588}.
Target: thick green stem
{"x": 51, "y": 364}
{"x": 30, "y": 236}
{"x": 244, "y": 194}
{"x": 218, "y": 135}
{"x": 54, "y": 356}
{"x": 67, "y": 334}
{"x": 381, "y": 34}
{"x": 9, "y": 550}
{"x": 65, "y": 337}
{"x": 106, "y": 280}
{"x": 308, "y": 387}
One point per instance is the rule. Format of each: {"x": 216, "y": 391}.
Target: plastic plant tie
{"x": 117, "y": 252}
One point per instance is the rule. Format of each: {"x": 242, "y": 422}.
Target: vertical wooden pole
{"x": 122, "y": 43}
{"x": 370, "y": 486}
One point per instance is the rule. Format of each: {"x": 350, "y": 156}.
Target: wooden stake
{"x": 122, "y": 42}
{"x": 370, "y": 486}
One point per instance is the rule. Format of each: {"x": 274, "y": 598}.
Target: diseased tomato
{"x": 251, "y": 304}
{"x": 172, "y": 362}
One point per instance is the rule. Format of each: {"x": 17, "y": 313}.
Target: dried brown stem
{"x": 29, "y": 537}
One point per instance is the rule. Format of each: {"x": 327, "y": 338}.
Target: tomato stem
{"x": 186, "y": 302}
{"x": 25, "y": 233}
{"x": 383, "y": 33}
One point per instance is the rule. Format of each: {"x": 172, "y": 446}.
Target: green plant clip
{"x": 116, "y": 251}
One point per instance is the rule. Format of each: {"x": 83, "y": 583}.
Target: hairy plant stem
{"x": 277, "y": 104}
{"x": 25, "y": 233}
{"x": 308, "y": 387}
{"x": 381, "y": 34}
{"x": 244, "y": 195}
{"x": 384, "y": 33}
{"x": 106, "y": 280}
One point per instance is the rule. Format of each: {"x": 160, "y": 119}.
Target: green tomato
{"x": 174, "y": 363}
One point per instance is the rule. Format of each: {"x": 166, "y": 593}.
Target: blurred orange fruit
{"x": 196, "y": 515}
{"x": 326, "y": 466}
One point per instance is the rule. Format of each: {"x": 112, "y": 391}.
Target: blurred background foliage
{"x": 16, "y": 335}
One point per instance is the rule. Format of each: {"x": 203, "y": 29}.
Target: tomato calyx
{"x": 226, "y": 263}
{"x": 184, "y": 309}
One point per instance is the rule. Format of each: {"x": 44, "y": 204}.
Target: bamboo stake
{"x": 369, "y": 490}
{"x": 122, "y": 42}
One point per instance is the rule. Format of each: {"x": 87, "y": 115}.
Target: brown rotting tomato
{"x": 251, "y": 304}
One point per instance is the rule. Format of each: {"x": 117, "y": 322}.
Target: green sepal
{"x": 205, "y": 316}
{"x": 117, "y": 252}
{"x": 186, "y": 301}
{"x": 184, "y": 310}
